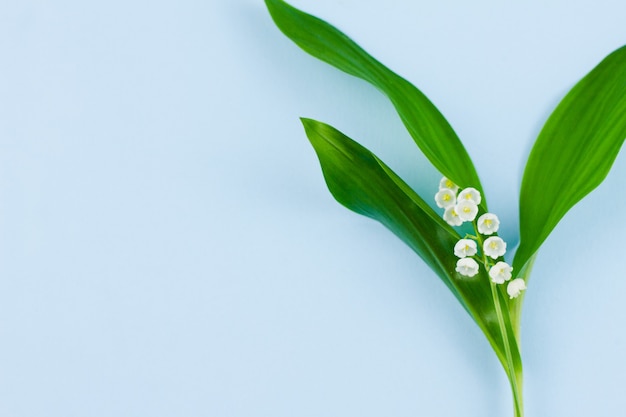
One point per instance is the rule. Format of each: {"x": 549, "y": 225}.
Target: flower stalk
{"x": 516, "y": 386}
{"x": 464, "y": 204}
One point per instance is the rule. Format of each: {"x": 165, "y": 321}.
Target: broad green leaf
{"x": 363, "y": 183}
{"x": 430, "y": 130}
{"x": 573, "y": 153}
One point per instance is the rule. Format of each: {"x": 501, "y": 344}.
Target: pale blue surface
{"x": 168, "y": 247}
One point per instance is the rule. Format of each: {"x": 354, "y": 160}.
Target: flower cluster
{"x": 462, "y": 206}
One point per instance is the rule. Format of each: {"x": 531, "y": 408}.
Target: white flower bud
{"x": 452, "y": 217}
{"x": 494, "y": 247}
{"x": 488, "y": 224}
{"x": 500, "y": 272}
{"x": 515, "y": 287}
{"x": 470, "y": 194}
{"x": 445, "y": 198}
{"x": 467, "y": 267}
{"x": 446, "y": 183}
{"x": 467, "y": 210}
{"x": 465, "y": 247}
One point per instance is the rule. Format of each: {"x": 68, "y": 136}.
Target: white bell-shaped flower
{"x": 451, "y": 216}
{"x": 467, "y": 267}
{"x": 467, "y": 210}
{"x": 494, "y": 247}
{"x": 488, "y": 224}
{"x": 445, "y": 198}
{"x": 500, "y": 272}
{"x": 470, "y": 194}
{"x": 515, "y": 287}
{"x": 446, "y": 183}
{"x": 465, "y": 247}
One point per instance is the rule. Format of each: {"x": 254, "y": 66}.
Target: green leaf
{"x": 573, "y": 153}
{"x": 363, "y": 183}
{"x": 430, "y": 130}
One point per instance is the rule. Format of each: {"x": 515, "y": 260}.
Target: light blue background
{"x": 168, "y": 246}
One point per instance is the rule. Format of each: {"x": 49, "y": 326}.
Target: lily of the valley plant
{"x": 571, "y": 157}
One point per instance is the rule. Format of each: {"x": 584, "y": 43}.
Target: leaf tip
{"x": 308, "y": 124}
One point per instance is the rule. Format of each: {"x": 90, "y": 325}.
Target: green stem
{"x": 512, "y": 374}
{"x": 518, "y": 405}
